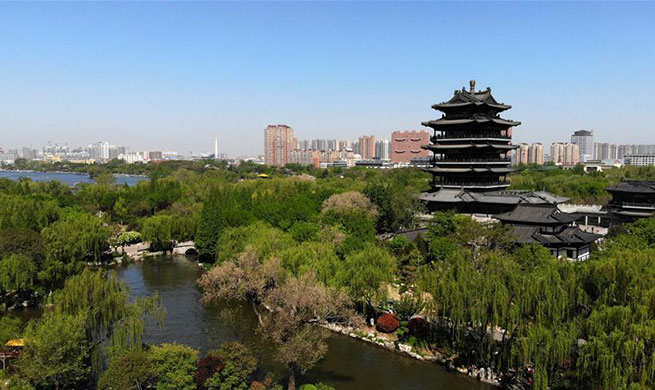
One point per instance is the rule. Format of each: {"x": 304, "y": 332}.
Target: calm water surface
{"x": 349, "y": 365}
{"x": 67, "y": 178}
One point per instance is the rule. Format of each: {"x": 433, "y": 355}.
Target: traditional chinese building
{"x": 631, "y": 200}
{"x": 546, "y": 225}
{"x": 471, "y": 149}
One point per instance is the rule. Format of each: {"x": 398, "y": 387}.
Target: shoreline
{"x": 372, "y": 337}
{"x": 68, "y": 172}
{"x": 139, "y": 253}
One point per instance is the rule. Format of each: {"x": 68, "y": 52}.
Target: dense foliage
{"x": 582, "y": 325}
{"x": 306, "y": 249}
{"x": 574, "y": 183}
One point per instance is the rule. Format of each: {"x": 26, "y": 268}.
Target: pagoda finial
{"x": 472, "y": 84}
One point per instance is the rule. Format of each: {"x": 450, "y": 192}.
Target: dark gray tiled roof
{"x": 537, "y": 214}
{"x": 646, "y": 187}
{"x": 570, "y": 235}
{"x": 496, "y": 197}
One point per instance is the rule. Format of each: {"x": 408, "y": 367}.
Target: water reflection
{"x": 349, "y": 365}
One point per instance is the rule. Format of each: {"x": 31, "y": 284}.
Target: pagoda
{"x": 471, "y": 149}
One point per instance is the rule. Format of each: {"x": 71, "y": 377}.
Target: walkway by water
{"x": 349, "y": 365}
{"x": 67, "y": 178}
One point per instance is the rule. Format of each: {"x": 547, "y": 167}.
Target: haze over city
{"x": 168, "y": 76}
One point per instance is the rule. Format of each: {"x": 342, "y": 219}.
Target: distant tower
{"x": 216, "y": 146}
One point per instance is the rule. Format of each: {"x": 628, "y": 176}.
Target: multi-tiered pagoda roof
{"x": 471, "y": 149}
{"x": 471, "y": 142}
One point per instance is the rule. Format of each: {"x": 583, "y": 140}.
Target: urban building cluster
{"x": 281, "y": 147}
{"x": 583, "y": 149}
{"x": 97, "y": 152}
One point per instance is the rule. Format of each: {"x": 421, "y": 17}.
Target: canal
{"x": 349, "y": 364}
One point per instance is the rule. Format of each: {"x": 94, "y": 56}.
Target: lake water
{"x": 69, "y": 179}
{"x": 349, "y": 364}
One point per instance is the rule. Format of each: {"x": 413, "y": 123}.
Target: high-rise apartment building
{"x": 383, "y": 149}
{"x": 585, "y": 141}
{"x": 407, "y": 145}
{"x": 367, "y": 147}
{"x": 278, "y": 144}
{"x": 567, "y": 154}
{"x": 305, "y": 144}
{"x": 530, "y": 154}
{"x": 606, "y": 151}
{"x": 100, "y": 151}
{"x": 522, "y": 154}
{"x": 343, "y": 145}
{"x": 332, "y": 145}
{"x": 536, "y": 154}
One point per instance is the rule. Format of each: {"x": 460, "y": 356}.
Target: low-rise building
{"x": 639, "y": 160}
{"x": 550, "y": 227}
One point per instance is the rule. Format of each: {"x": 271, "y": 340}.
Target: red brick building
{"x": 406, "y": 145}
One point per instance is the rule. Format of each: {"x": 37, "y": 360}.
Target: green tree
{"x": 158, "y": 231}
{"x": 56, "y": 352}
{"x": 220, "y": 210}
{"x": 366, "y": 272}
{"x": 239, "y": 365}
{"x": 316, "y": 257}
{"x": 111, "y": 318}
{"x": 258, "y": 237}
{"x": 10, "y": 328}
{"x": 17, "y": 274}
{"x": 71, "y": 240}
{"x": 174, "y": 366}
{"x": 21, "y": 241}
{"x": 397, "y": 206}
{"x": 120, "y": 210}
{"x": 130, "y": 371}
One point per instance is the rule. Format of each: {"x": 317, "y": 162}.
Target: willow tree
{"x": 365, "y": 274}
{"x": 528, "y": 302}
{"x": 68, "y": 242}
{"x": 110, "y": 318}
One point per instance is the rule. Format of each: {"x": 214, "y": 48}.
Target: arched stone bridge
{"x": 185, "y": 248}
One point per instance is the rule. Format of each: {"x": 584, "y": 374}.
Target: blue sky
{"x": 169, "y": 75}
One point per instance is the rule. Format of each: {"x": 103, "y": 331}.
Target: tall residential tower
{"x": 278, "y": 144}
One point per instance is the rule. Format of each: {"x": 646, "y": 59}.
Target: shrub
{"x": 387, "y": 323}
{"x": 408, "y": 306}
{"x": 174, "y": 366}
{"x": 206, "y": 368}
{"x": 418, "y": 326}
{"x": 128, "y": 238}
{"x": 130, "y": 371}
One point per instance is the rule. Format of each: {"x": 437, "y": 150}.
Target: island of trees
{"x": 306, "y": 248}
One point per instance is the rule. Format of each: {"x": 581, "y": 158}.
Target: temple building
{"x": 471, "y": 149}
{"x": 546, "y": 225}
{"x": 631, "y": 200}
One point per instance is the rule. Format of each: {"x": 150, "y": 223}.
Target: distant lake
{"x": 67, "y": 178}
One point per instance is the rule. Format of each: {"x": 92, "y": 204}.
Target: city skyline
{"x": 232, "y": 69}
